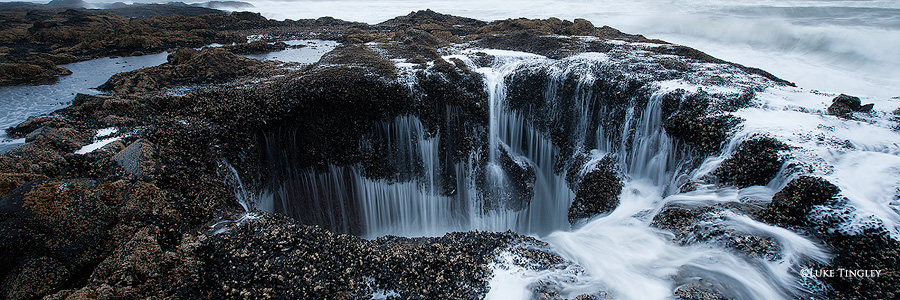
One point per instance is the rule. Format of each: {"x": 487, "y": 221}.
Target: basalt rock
{"x": 260, "y": 259}
{"x": 844, "y": 105}
{"x": 872, "y": 250}
{"x": 59, "y": 220}
{"x": 186, "y": 67}
{"x": 687, "y": 118}
{"x": 691, "y": 225}
{"x": 598, "y": 192}
{"x": 135, "y": 158}
{"x": 756, "y": 162}
{"x": 14, "y": 73}
{"x": 133, "y": 228}
{"x": 256, "y": 47}
{"x": 517, "y": 190}
{"x": 791, "y": 205}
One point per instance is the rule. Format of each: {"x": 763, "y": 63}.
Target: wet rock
{"x": 707, "y": 134}
{"x": 15, "y": 73}
{"x": 791, "y": 205}
{"x": 60, "y": 219}
{"x": 844, "y": 105}
{"x": 31, "y": 158}
{"x": 135, "y": 158}
{"x": 516, "y": 190}
{"x": 256, "y": 47}
{"x": 698, "y": 291}
{"x": 274, "y": 257}
{"x": 65, "y": 139}
{"x": 756, "y": 162}
{"x": 34, "y": 277}
{"x": 34, "y": 123}
{"x": 186, "y": 67}
{"x": 359, "y": 56}
{"x": 135, "y": 267}
{"x": 866, "y": 108}
{"x": 873, "y": 250}
{"x": 687, "y": 119}
{"x": 705, "y": 224}
{"x": 433, "y": 22}
{"x": 598, "y": 192}
{"x": 10, "y": 181}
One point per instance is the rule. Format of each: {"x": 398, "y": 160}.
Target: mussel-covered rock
{"x": 186, "y": 67}
{"x": 756, "y": 162}
{"x": 598, "y": 191}
{"x": 791, "y": 205}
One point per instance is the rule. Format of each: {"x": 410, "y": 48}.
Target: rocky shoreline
{"x": 134, "y": 218}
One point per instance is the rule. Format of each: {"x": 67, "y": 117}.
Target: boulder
{"x": 844, "y": 105}
{"x": 791, "y": 205}
{"x": 136, "y": 158}
{"x": 598, "y": 192}
{"x": 756, "y": 162}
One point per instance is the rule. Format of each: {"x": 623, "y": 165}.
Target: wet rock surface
{"x": 187, "y": 67}
{"x": 844, "y": 106}
{"x": 598, "y": 191}
{"x": 792, "y": 204}
{"x": 756, "y": 162}
{"x": 705, "y": 224}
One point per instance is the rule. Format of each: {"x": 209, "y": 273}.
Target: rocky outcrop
{"x": 704, "y": 224}
{"x": 597, "y": 191}
{"x": 688, "y": 117}
{"x": 187, "y": 67}
{"x": 271, "y": 256}
{"x": 792, "y": 204}
{"x": 34, "y": 40}
{"x": 844, "y": 106}
{"x": 756, "y": 162}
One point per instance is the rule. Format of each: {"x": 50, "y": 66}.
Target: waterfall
{"x": 518, "y": 182}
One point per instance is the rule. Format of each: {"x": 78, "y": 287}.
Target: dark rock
{"x": 35, "y": 277}
{"x": 869, "y": 250}
{"x": 598, "y": 192}
{"x": 791, "y": 205}
{"x": 687, "y": 118}
{"x": 517, "y": 190}
{"x": 867, "y": 108}
{"x": 359, "y": 56}
{"x": 843, "y": 106}
{"x": 691, "y": 225}
{"x": 756, "y": 162}
{"x": 698, "y": 291}
{"x": 10, "y": 181}
{"x": 135, "y": 158}
{"x": 14, "y": 73}
{"x": 706, "y": 134}
{"x": 185, "y": 67}
{"x": 256, "y": 47}
{"x": 261, "y": 259}
{"x": 34, "y": 123}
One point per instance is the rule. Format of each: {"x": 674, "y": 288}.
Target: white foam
{"x": 102, "y": 138}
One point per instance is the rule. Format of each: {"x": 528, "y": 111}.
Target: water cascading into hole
{"x": 620, "y": 252}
